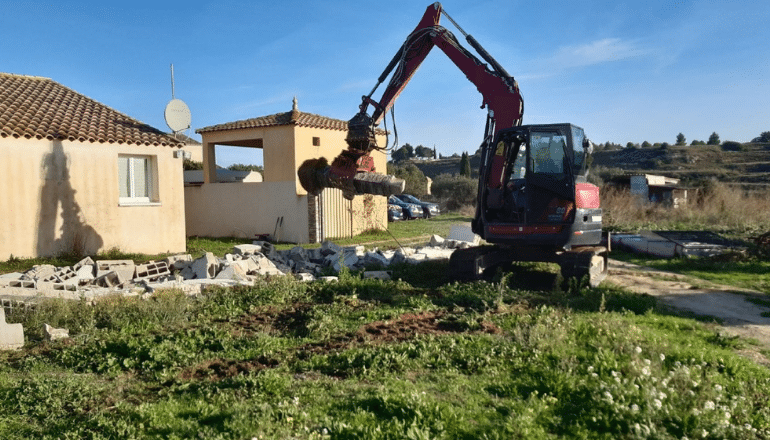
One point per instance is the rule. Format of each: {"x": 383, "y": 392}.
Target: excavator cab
{"x": 538, "y": 195}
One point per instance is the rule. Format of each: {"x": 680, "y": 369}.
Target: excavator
{"x": 534, "y": 201}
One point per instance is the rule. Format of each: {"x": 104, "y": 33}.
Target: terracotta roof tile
{"x": 40, "y": 108}
{"x": 294, "y": 117}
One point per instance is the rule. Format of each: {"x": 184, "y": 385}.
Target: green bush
{"x": 454, "y": 191}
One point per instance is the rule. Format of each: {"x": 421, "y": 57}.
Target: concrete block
{"x": 463, "y": 233}
{"x": 268, "y": 249}
{"x": 152, "y": 270}
{"x": 265, "y": 266}
{"x": 306, "y": 267}
{"x": 376, "y": 259}
{"x": 358, "y": 250}
{"x": 297, "y": 254}
{"x": 349, "y": 260}
{"x": 53, "y": 334}
{"x": 232, "y": 271}
{"x": 306, "y": 277}
{"x": 86, "y": 273}
{"x": 436, "y": 240}
{"x": 206, "y": 266}
{"x": 179, "y": 261}
{"x": 247, "y": 249}
{"x": 125, "y": 268}
{"x": 22, "y": 283}
{"x": 41, "y": 271}
{"x": 7, "y": 278}
{"x": 11, "y": 335}
{"x": 87, "y": 261}
{"x": 435, "y": 253}
{"x": 328, "y": 248}
{"x": 109, "y": 279}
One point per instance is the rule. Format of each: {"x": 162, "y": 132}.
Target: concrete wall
{"x": 61, "y": 196}
{"x": 247, "y": 209}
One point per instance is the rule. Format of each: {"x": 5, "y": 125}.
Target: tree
{"x": 421, "y": 151}
{"x": 190, "y": 164}
{"x": 680, "y": 139}
{"x": 416, "y": 182}
{"x": 714, "y": 139}
{"x": 465, "y": 165}
{"x": 762, "y": 138}
{"x": 242, "y": 167}
{"x": 402, "y": 154}
{"x": 646, "y": 144}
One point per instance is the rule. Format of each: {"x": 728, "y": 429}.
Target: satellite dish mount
{"x": 177, "y": 113}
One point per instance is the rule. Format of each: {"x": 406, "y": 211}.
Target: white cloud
{"x": 601, "y": 51}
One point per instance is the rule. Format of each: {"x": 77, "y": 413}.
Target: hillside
{"x": 691, "y": 164}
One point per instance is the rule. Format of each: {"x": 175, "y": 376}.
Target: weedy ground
{"x": 523, "y": 356}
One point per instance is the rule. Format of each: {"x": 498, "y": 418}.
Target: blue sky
{"x": 624, "y": 71}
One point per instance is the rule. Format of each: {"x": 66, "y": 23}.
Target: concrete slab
{"x": 11, "y": 335}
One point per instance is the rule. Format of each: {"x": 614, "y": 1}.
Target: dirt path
{"x": 738, "y": 315}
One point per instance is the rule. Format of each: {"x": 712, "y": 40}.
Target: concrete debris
{"x": 11, "y": 335}
{"x": 53, "y": 334}
{"x": 90, "y": 279}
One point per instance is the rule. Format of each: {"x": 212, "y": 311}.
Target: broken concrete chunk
{"x": 329, "y": 279}
{"x": 328, "y": 248}
{"x": 375, "y": 259}
{"x": 436, "y": 240}
{"x": 306, "y": 277}
{"x": 53, "y": 334}
{"x": 232, "y": 271}
{"x": 125, "y": 268}
{"x": 110, "y": 279}
{"x": 87, "y": 261}
{"x": 41, "y": 271}
{"x": 247, "y": 249}
{"x": 178, "y": 262}
{"x": 297, "y": 254}
{"x": 86, "y": 273}
{"x": 206, "y": 266}
{"x": 11, "y": 335}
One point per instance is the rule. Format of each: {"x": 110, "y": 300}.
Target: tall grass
{"x": 716, "y": 207}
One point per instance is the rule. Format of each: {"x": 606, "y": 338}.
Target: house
{"x": 78, "y": 177}
{"x": 278, "y": 205}
{"x": 656, "y": 189}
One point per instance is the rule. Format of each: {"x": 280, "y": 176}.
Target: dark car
{"x": 428, "y": 209}
{"x": 395, "y": 213}
{"x": 410, "y": 210}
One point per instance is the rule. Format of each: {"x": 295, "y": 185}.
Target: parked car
{"x": 428, "y": 209}
{"x": 410, "y": 210}
{"x": 395, "y": 213}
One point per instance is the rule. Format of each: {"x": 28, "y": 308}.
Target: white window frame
{"x": 128, "y": 168}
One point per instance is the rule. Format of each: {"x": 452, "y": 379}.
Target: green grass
{"x": 414, "y": 358}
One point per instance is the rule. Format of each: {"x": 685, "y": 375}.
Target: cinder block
{"x": 11, "y": 335}
{"x": 125, "y": 268}
{"x": 152, "y": 270}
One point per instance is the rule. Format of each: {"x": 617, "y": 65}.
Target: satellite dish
{"x": 177, "y": 115}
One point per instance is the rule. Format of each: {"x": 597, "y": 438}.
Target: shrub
{"x": 454, "y": 191}
{"x": 416, "y": 182}
{"x": 732, "y": 146}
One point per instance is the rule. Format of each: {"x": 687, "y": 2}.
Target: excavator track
{"x": 590, "y": 261}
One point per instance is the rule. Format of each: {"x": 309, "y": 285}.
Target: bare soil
{"x": 733, "y": 309}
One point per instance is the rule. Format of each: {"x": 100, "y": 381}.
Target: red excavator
{"x": 534, "y": 202}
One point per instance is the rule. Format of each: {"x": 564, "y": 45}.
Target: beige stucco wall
{"x": 223, "y": 210}
{"x": 246, "y": 210}
{"x": 60, "y": 196}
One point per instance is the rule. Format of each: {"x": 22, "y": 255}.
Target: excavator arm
{"x": 352, "y": 170}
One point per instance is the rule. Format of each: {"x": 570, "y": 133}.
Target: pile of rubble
{"x": 89, "y": 278}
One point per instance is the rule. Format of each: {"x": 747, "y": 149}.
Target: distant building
{"x": 656, "y": 189}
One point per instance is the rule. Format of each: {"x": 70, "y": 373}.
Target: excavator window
{"x": 547, "y": 154}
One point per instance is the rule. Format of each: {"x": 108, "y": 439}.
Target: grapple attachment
{"x": 353, "y": 170}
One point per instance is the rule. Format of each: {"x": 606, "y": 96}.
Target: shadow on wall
{"x": 76, "y": 237}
